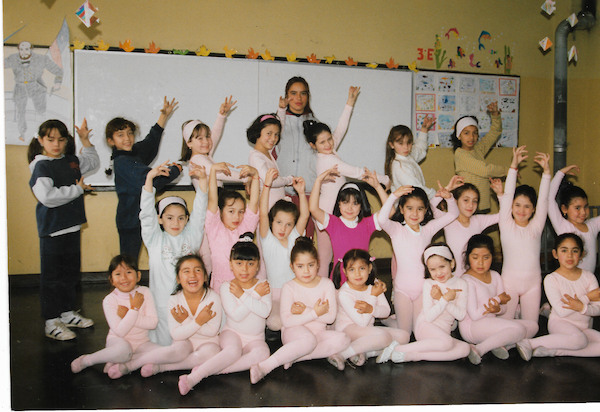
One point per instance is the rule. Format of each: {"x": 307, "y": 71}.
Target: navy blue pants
{"x": 130, "y": 242}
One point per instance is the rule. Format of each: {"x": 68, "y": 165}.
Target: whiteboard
{"x": 132, "y": 85}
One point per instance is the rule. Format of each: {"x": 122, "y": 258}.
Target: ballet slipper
{"x": 184, "y": 385}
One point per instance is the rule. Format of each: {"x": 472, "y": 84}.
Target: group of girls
{"x": 215, "y": 320}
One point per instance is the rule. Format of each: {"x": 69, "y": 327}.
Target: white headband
{"x": 464, "y": 122}
{"x": 350, "y": 186}
{"x": 442, "y": 251}
{"x": 166, "y": 201}
{"x": 188, "y": 129}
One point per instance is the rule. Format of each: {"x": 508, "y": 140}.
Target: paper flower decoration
{"x": 545, "y": 43}
{"x": 451, "y": 64}
{"x": 472, "y": 61}
{"x": 413, "y": 67}
{"x": 573, "y": 53}
{"x": 313, "y": 59}
{"x": 391, "y": 64}
{"x": 372, "y": 65}
{"x": 572, "y": 19}
{"x": 549, "y": 7}
{"x": 181, "y": 52}
{"x": 77, "y": 45}
{"x": 267, "y": 55}
{"x": 203, "y": 51}
{"x": 152, "y": 48}
{"x": 229, "y": 52}
{"x": 252, "y": 54}
{"x": 454, "y": 31}
{"x": 102, "y": 46}
{"x": 86, "y": 14}
{"x": 350, "y": 61}
{"x": 329, "y": 59}
{"x": 291, "y": 57}
{"x": 126, "y": 45}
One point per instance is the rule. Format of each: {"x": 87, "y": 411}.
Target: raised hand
{"x": 403, "y": 190}
{"x": 168, "y": 107}
{"x": 179, "y": 313}
{"x": 329, "y": 175}
{"x": 84, "y": 133}
{"x": 519, "y": 154}
{"x": 299, "y": 184}
{"x": 227, "y": 106}
{"x": 496, "y": 186}
{"x": 571, "y": 170}
{"x": 271, "y": 175}
{"x": 353, "y": 93}
{"x": 283, "y": 102}
{"x": 197, "y": 171}
{"x": 443, "y": 192}
{"x": 492, "y": 108}
{"x": 456, "y": 181}
{"x": 543, "y": 159}
{"x": 428, "y": 123}
{"x": 247, "y": 171}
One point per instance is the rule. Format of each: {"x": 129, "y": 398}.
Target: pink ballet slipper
{"x": 256, "y": 374}
{"x": 183, "y": 384}
{"x": 149, "y": 370}
{"x": 77, "y": 365}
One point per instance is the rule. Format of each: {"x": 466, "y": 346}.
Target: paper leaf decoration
{"x": 77, "y": 45}
{"x": 202, "y": 51}
{"x": 267, "y": 55}
{"x": 291, "y": 57}
{"x": 545, "y": 43}
{"x": 391, "y": 64}
{"x": 252, "y": 54}
{"x": 372, "y": 65}
{"x": 102, "y": 46}
{"x": 313, "y": 59}
{"x": 573, "y": 53}
{"x": 454, "y": 31}
{"x": 572, "y": 19}
{"x": 413, "y": 67}
{"x": 350, "y": 61}
{"x": 86, "y": 14}
{"x": 229, "y": 52}
{"x": 126, "y": 45}
{"x": 329, "y": 59}
{"x": 549, "y": 7}
{"x": 152, "y": 48}
{"x": 181, "y": 52}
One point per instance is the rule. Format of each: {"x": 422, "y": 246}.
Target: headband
{"x": 371, "y": 259}
{"x": 188, "y": 129}
{"x": 442, "y": 251}
{"x": 350, "y": 186}
{"x": 170, "y": 200}
{"x": 464, "y": 122}
{"x": 267, "y": 116}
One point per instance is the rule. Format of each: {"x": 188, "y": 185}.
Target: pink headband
{"x": 167, "y": 201}
{"x": 188, "y": 129}
{"x": 464, "y": 122}
{"x": 442, "y": 251}
{"x": 267, "y": 116}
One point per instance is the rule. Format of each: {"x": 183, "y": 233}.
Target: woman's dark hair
{"x": 528, "y": 191}
{"x": 346, "y": 194}
{"x": 116, "y": 124}
{"x": 303, "y": 245}
{"x": 397, "y": 132}
{"x": 283, "y": 206}
{"x": 455, "y": 142}
{"x": 245, "y": 249}
{"x": 427, "y": 274}
{"x": 417, "y": 193}
{"x": 180, "y": 262}
{"x": 124, "y": 260}
{"x": 457, "y": 193}
{"x": 312, "y": 129}
{"x": 226, "y": 195}
{"x": 262, "y": 121}
{"x": 568, "y": 192}
{"x": 298, "y": 79}
{"x": 561, "y": 238}
{"x": 35, "y": 148}
{"x": 186, "y": 152}
{"x": 349, "y": 258}
{"x": 478, "y": 241}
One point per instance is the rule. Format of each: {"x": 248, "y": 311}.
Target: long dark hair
{"x": 359, "y": 196}
{"x": 396, "y": 133}
{"x": 180, "y": 262}
{"x": 35, "y": 148}
{"x": 478, "y": 241}
{"x": 350, "y": 257}
{"x": 299, "y": 79}
{"x": 417, "y": 193}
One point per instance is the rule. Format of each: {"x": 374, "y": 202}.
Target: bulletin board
{"x": 448, "y": 96}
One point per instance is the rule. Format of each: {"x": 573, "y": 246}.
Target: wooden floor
{"x": 41, "y": 377}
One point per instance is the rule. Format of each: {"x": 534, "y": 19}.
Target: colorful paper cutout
{"x": 152, "y": 48}
{"x": 229, "y": 52}
{"x": 267, "y": 55}
{"x": 291, "y": 57}
{"x": 329, "y": 59}
{"x": 350, "y": 61}
{"x": 549, "y": 7}
{"x": 126, "y": 45}
{"x": 440, "y": 55}
{"x": 102, "y": 46}
{"x": 86, "y": 14}
{"x": 252, "y": 54}
{"x": 485, "y": 36}
{"x": 452, "y": 30}
{"x": 202, "y": 51}
{"x": 451, "y": 64}
{"x": 572, "y": 19}
{"x": 472, "y": 62}
{"x": 181, "y": 52}
{"x": 372, "y": 65}
{"x": 507, "y": 60}
{"x": 391, "y": 64}
{"x": 460, "y": 52}
{"x": 313, "y": 59}
{"x": 573, "y": 53}
{"x": 498, "y": 63}
{"x": 413, "y": 67}
{"x": 492, "y": 52}
{"x": 545, "y": 43}
{"x": 77, "y": 45}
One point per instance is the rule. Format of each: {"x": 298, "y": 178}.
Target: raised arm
{"x": 88, "y": 157}
{"x": 317, "y": 213}
{"x": 217, "y": 130}
{"x": 167, "y": 110}
{"x": 419, "y": 149}
{"x": 263, "y": 210}
{"x": 299, "y": 186}
{"x": 559, "y": 223}
{"x": 342, "y": 126}
{"x": 254, "y": 186}
{"x": 374, "y": 180}
{"x": 541, "y": 209}
{"x": 486, "y": 142}
{"x": 213, "y": 188}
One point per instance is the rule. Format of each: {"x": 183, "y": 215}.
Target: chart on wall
{"x": 449, "y": 96}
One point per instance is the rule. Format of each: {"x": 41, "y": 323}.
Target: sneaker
{"x": 57, "y": 330}
{"x": 474, "y": 356}
{"x": 524, "y": 349}
{"x": 500, "y": 353}
{"x": 386, "y": 353}
{"x": 545, "y": 310}
{"x": 72, "y": 319}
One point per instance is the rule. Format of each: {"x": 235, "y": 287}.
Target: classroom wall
{"x": 370, "y": 31}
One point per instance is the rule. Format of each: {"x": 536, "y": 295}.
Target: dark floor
{"x": 41, "y": 377}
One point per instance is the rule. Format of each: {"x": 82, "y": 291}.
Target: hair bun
{"x": 303, "y": 240}
{"x": 246, "y": 237}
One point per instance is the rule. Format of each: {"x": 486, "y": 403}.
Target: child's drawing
{"x": 419, "y": 121}
{"x": 487, "y": 85}
{"x": 509, "y": 121}
{"x": 468, "y": 103}
{"x": 507, "y": 104}
{"x": 425, "y": 102}
{"x": 445, "y": 121}
{"x": 424, "y": 83}
{"x": 508, "y": 87}
{"x": 467, "y": 84}
{"x": 447, "y": 103}
{"x": 446, "y": 84}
